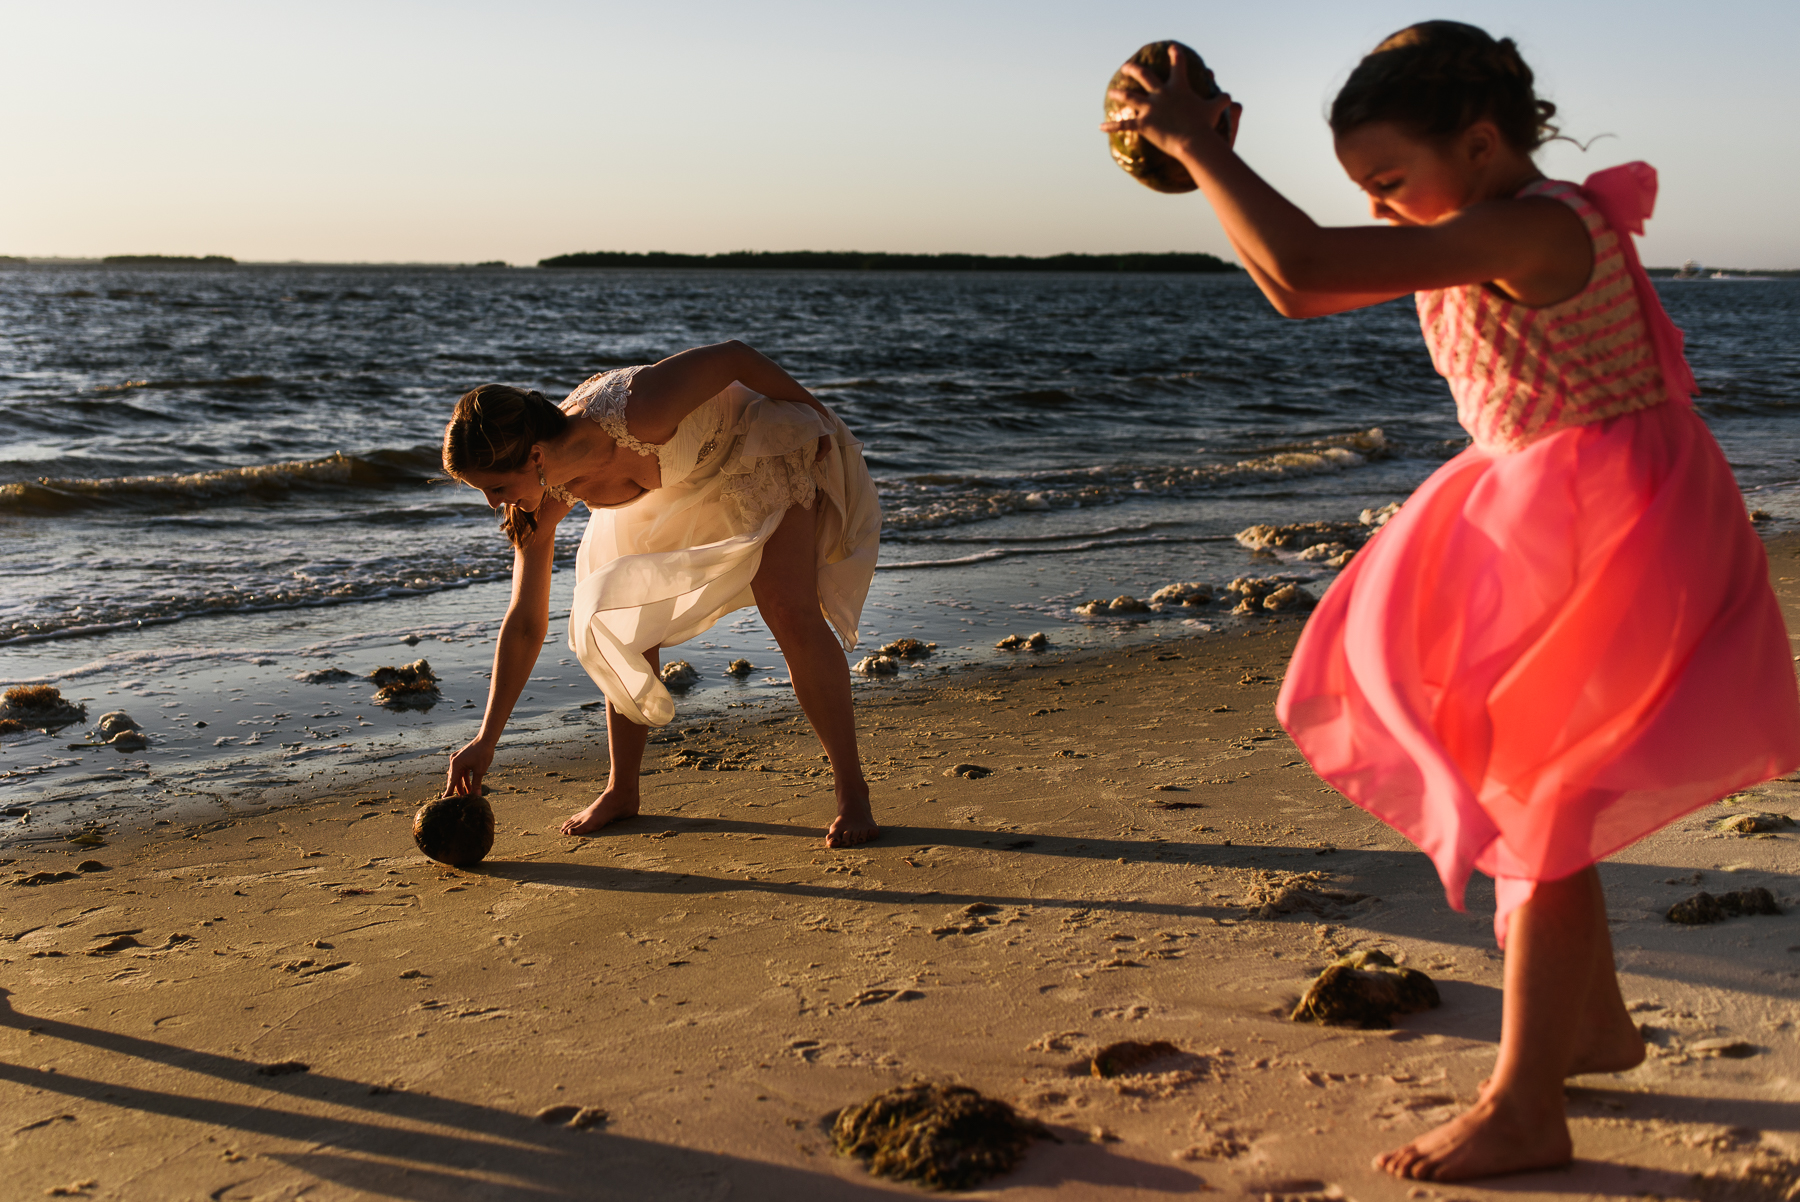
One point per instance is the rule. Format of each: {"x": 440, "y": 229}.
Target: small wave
{"x": 1103, "y": 532}
{"x": 226, "y": 382}
{"x": 142, "y": 662}
{"x": 929, "y": 501}
{"x": 1094, "y": 544}
{"x": 380, "y": 469}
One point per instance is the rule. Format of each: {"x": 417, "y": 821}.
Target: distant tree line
{"x": 167, "y": 260}
{"x": 854, "y": 260}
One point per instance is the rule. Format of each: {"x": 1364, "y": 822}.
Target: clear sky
{"x": 455, "y": 132}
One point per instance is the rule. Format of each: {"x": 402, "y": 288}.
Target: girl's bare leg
{"x": 625, "y": 741}
{"x": 1558, "y": 963}
{"x": 787, "y": 596}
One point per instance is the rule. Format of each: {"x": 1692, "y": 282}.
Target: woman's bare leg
{"x": 1558, "y": 964}
{"x": 787, "y": 596}
{"x": 625, "y": 741}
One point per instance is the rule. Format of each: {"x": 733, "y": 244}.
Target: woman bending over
{"x": 714, "y": 481}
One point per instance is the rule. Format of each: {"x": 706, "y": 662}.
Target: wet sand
{"x": 1146, "y": 858}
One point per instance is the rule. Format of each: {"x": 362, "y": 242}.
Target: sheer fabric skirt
{"x": 665, "y": 567}
{"x": 1547, "y": 654}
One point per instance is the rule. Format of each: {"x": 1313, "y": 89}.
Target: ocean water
{"x": 214, "y": 482}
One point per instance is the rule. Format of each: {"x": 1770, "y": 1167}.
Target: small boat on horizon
{"x": 1694, "y": 270}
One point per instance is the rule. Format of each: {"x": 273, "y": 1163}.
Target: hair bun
{"x": 1439, "y": 78}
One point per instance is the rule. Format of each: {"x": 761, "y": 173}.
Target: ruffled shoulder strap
{"x": 1626, "y": 196}
{"x": 602, "y": 400}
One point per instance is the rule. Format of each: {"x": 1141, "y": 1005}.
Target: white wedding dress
{"x": 663, "y": 567}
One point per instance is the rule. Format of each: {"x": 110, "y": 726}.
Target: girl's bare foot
{"x": 610, "y": 806}
{"x": 855, "y": 822}
{"x": 1494, "y": 1136}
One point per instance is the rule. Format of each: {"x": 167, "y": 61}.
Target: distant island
{"x": 855, "y": 260}
{"x": 169, "y": 261}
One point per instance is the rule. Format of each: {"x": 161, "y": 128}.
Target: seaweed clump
{"x": 1703, "y": 908}
{"x": 410, "y": 686}
{"x": 938, "y": 1136}
{"x": 1366, "y": 989}
{"x": 38, "y": 706}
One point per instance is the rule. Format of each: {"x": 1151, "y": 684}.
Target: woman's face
{"x": 1411, "y": 181}
{"x": 519, "y": 488}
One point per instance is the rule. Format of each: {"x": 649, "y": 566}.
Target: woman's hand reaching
{"x": 468, "y": 766}
{"x": 1167, "y": 112}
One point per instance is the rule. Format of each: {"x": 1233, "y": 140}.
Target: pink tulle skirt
{"x": 1547, "y": 654}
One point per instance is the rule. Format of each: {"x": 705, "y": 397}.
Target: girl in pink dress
{"x": 1566, "y": 637}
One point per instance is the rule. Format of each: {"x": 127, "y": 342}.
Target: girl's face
{"x": 1411, "y": 181}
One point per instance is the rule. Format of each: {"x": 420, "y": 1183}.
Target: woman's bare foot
{"x": 610, "y": 806}
{"x": 1494, "y": 1136}
{"x": 855, "y": 822}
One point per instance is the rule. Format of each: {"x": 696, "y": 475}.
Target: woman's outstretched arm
{"x": 664, "y": 393}
{"x": 515, "y": 652}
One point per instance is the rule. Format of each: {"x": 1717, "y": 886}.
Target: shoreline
{"x": 1139, "y": 863}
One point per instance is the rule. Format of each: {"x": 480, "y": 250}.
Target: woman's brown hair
{"x": 1440, "y": 77}
{"x": 493, "y": 429}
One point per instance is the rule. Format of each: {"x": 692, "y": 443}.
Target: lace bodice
{"x": 602, "y": 399}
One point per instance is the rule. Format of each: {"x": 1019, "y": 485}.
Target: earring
{"x": 543, "y": 482}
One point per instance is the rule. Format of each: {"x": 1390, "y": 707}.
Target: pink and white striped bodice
{"x": 1518, "y": 373}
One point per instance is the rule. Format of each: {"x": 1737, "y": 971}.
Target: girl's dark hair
{"x": 1440, "y": 77}
{"x": 493, "y": 429}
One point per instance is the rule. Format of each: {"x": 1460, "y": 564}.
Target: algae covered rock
{"x": 457, "y": 830}
{"x": 410, "y": 686}
{"x": 1101, "y": 608}
{"x": 1365, "y": 989}
{"x": 739, "y": 668}
{"x": 679, "y": 675}
{"x": 128, "y": 740}
{"x": 112, "y": 723}
{"x": 1191, "y": 592}
{"x": 1127, "y": 1056}
{"x": 1261, "y": 594}
{"x": 1754, "y": 822}
{"x": 907, "y": 648}
{"x": 1140, "y": 160}
{"x": 877, "y": 665}
{"x": 938, "y": 1136}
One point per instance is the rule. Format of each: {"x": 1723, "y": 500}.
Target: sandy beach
{"x": 1079, "y": 849}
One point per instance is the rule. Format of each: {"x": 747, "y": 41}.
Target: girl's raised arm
{"x": 515, "y": 652}
{"x": 1536, "y": 250}
{"x": 665, "y": 392}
